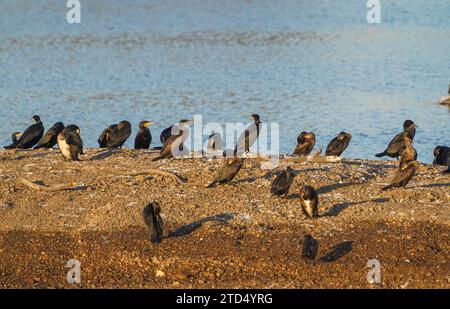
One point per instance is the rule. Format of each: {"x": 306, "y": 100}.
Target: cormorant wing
{"x": 396, "y": 144}
{"x": 33, "y": 132}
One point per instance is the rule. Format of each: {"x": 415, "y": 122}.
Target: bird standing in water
{"x": 395, "y": 147}
{"x": 338, "y": 144}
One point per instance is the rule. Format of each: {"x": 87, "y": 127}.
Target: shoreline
{"x": 259, "y": 235}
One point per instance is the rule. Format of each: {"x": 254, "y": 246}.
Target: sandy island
{"x": 232, "y": 236}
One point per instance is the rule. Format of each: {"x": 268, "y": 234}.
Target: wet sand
{"x": 232, "y": 236}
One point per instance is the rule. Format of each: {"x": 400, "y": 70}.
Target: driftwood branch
{"x": 149, "y": 172}
{"x": 317, "y": 158}
{"x": 43, "y": 187}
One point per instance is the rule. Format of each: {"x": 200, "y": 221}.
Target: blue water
{"x": 309, "y": 65}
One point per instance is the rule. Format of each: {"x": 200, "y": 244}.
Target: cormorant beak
{"x": 148, "y": 123}
{"x": 19, "y": 135}
{"x": 415, "y": 125}
{"x": 78, "y": 131}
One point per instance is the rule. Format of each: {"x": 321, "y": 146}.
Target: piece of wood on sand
{"x": 151, "y": 171}
{"x": 44, "y": 187}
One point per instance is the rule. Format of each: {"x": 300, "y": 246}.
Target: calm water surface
{"x": 309, "y": 65}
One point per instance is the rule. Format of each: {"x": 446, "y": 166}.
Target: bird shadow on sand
{"x": 248, "y": 179}
{"x": 336, "y": 209}
{"x": 103, "y": 154}
{"x": 371, "y": 165}
{"x": 337, "y": 252}
{"x": 433, "y": 185}
{"x": 34, "y": 155}
{"x": 326, "y": 189}
{"x": 191, "y": 227}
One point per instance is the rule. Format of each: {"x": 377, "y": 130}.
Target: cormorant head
{"x": 307, "y": 192}
{"x": 157, "y": 208}
{"x": 59, "y": 126}
{"x": 290, "y": 171}
{"x": 124, "y": 124}
{"x": 144, "y": 124}
{"x": 310, "y": 136}
{"x": 437, "y": 151}
{"x": 255, "y": 117}
{"x": 73, "y": 128}
{"x": 409, "y": 124}
{"x": 185, "y": 121}
{"x": 344, "y": 135}
{"x": 36, "y": 118}
{"x": 15, "y": 136}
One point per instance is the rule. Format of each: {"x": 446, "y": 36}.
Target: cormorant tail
{"x": 211, "y": 184}
{"x": 387, "y": 187}
{"x": 381, "y": 154}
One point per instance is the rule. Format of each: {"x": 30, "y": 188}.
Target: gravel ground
{"x": 231, "y": 236}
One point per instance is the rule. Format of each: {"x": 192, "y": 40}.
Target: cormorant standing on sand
{"x": 395, "y": 147}
{"x": 249, "y": 136}
{"x": 310, "y": 247}
{"x": 305, "y": 143}
{"x": 70, "y": 143}
{"x": 409, "y": 153}
{"x": 283, "y": 182}
{"x": 167, "y": 132}
{"x": 170, "y": 145}
{"x": 153, "y": 221}
{"x": 403, "y": 175}
{"x": 441, "y": 155}
{"x": 215, "y": 142}
{"x": 103, "y": 139}
{"x": 227, "y": 172}
{"x": 119, "y": 135}
{"x": 50, "y": 137}
{"x": 32, "y": 134}
{"x": 143, "y": 138}
{"x": 338, "y": 144}
{"x": 309, "y": 201}
{"x": 15, "y": 139}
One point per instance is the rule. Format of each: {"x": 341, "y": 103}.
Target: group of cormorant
{"x": 114, "y": 136}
